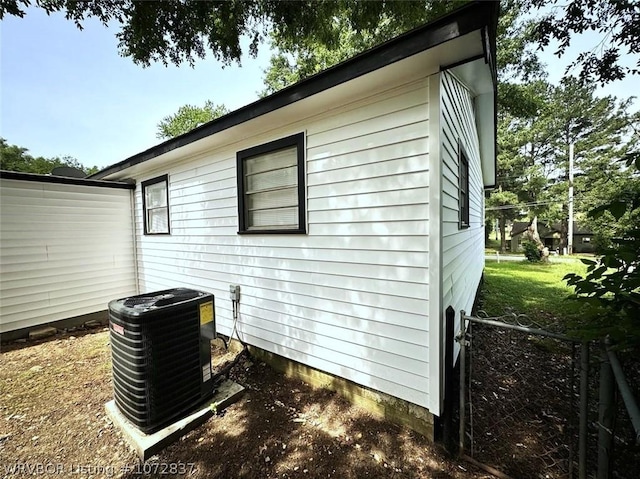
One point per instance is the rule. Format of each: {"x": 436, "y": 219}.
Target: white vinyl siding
{"x": 462, "y": 249}
{"x": 351, "y": 296}
{"x": 65, "y": 251}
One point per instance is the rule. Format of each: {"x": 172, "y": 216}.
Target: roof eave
{"x": 476, "y": 16}
{"x": 65, "y": 180}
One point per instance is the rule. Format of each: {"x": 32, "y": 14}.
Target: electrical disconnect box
{"x": 234, "y": 292}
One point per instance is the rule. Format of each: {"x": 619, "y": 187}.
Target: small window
{"x": 155, "y": 204}
{"x": 586, "y": 239}
{"x": 463, "y": 188}
{"x": 271, "y": 187}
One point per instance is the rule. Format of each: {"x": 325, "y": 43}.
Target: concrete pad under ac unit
{"x": 146, "y": 445}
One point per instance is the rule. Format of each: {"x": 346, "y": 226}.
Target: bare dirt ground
{"x": 53, "y": 424}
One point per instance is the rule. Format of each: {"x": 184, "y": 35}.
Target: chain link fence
{"x": 625, "y": 437}
{"x": 522, "y": 400}
{"x": 531, "y": 403}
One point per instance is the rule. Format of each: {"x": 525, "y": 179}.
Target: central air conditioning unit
{"x": 161, "y": 352}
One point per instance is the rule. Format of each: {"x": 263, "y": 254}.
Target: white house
{"x": 348, "y": 207}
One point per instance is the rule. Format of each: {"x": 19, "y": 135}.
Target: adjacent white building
{"x": 66, "y": 249}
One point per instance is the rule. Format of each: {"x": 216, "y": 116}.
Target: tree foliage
{"x": 617, "y": 22}
{"x": 517, "y": 56}
{"x": 17, "y": 158}
{"x": 533, "y": 151}
{"x": 531, "y": 251}
{"x": 611, "y": 286}
{"x": 599, "y": 129}
{"x": 178, "y": 32}
{"x": 344, "y": 37}
{"x": 518, "y": 63}
{"x": 187, "y": 118}
{"x": 605, "y": 178}
{"x": 502, "y": 206}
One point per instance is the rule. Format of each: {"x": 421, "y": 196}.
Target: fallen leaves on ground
{"x": 53, "y": 422}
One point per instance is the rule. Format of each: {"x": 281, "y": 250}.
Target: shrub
{"x": 531, "y": 251}
{"x": 611, "y": 289}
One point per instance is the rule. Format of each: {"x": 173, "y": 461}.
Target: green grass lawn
{"x": 534, "y": 289}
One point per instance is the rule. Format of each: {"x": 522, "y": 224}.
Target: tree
{"x": 299, "y": 58}
{"x": 611, "y": 286}
{"x": 16, "y": 158}
{"x": 605, "y": 176}
{"x": 177, "y": 32}
{"x": 533, "y": 151}
{"x": 187, "y": 118}
{"x": 502, "y": 205}
{"x": 518, "y": 65}
{"x": 599, "y": 128}
{"x": 295, "y": 62}
{"x": 616, "y": 21}
{"x": 517, "y": 58}
{"x": 522, "y": 94}
{"x": 522, "y": 144}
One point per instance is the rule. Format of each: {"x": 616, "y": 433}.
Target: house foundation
{"x": 378, "y": 404}
{"x": 91, "y": 320}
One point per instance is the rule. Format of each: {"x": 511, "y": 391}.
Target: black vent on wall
{"x": 160, "y": 345}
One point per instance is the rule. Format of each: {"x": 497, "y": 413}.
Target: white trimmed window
{"x": 271, "y": 187}
{"x": 155, "y": 203}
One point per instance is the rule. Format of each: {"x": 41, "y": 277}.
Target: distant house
{"x": 550, "y": 236}
{"x": 349, "y": 208}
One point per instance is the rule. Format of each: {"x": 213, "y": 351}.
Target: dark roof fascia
{"x": 34, "y": 177}
{"x": 469, "y": 18}
{"x": 490, "y": 33}
{"x": 489, "y": 56}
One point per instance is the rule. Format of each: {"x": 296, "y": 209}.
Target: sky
{"x": 67, "y": 92}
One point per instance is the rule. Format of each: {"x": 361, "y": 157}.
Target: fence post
{"x": 606, "y": 411}
{"x": 449, "y": 335}
{"x": 625, "y": 392}
{"x": 584, "y": 409}
{"x": 462, "y": 338}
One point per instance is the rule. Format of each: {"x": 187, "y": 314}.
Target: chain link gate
{"x": 523, "y": 398}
